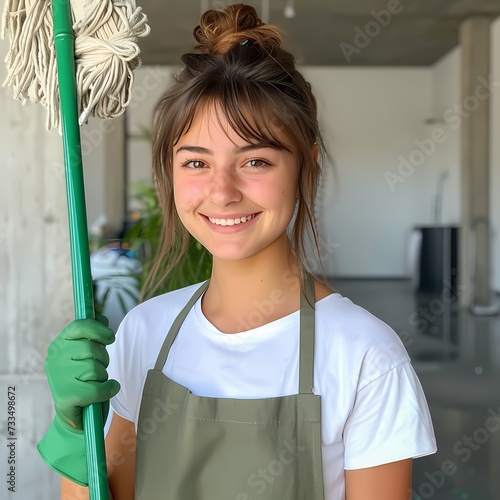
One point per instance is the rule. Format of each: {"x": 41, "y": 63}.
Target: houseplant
{"x": 143, "y": 239}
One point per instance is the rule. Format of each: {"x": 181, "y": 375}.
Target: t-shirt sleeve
{"x": 123, "y": 361}
{"x": 390, "y": 421}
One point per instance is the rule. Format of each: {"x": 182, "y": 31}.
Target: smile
{"x": 231, "y": 222}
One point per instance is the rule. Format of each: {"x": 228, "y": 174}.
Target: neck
{"x": 255, "y": 291}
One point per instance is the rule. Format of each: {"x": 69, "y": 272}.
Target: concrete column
{"x": 36, "y": 300}
{"x": 475, "y": 147}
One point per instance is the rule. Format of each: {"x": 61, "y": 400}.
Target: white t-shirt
{"x": 373, "y": 408}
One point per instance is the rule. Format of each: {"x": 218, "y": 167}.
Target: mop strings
{"x": 106, "y": 53}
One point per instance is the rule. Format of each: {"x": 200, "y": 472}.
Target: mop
{"x": 76, "y": 59}
{"x": 105, "y": 51}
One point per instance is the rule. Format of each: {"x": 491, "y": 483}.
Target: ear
{"x": 315, "y": 153}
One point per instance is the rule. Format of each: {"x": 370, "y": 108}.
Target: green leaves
{"x": 144, "y": 238}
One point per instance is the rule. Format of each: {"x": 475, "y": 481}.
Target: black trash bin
{"x": 438, "y": 259}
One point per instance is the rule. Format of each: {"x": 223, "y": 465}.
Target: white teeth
{"x": 231, "y": 222}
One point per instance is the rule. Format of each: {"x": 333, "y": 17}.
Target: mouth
{"x": 231, "y": 222}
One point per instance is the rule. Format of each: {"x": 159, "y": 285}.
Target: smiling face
{"x": 235, "y": 197}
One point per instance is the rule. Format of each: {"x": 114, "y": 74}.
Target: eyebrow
{"x": 236, "y": 150}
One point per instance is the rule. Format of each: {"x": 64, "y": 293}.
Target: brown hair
{"x": 239, "y": 66}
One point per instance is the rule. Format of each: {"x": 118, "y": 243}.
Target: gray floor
{"x": 457, "y": 358}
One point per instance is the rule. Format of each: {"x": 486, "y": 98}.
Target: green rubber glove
{"x": 76, "y": 370}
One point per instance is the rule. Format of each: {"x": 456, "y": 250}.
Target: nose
{"x": 222, "y": 189}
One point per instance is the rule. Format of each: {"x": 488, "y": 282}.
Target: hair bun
{"x": 220, "y": 30}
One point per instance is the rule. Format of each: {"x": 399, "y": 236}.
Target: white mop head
{"x": 106, "y": 53}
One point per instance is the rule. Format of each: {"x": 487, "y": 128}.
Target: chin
{"x": 230, "y": 256}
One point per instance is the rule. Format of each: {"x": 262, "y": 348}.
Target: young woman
{"x": 260, "y": 383}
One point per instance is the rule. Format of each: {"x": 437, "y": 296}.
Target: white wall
{"x": 446, "y": 84}
{"x": 151, "y": 84}
{"x": 370, "y": 118}
{"x": 98, "y": 139}
{"x": 446, "y": 93}
{"x": 373, "y": 120}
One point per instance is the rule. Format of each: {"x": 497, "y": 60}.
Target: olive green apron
{"x": 201, "y": 448}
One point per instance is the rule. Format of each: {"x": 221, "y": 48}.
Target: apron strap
{"x": 174, "y": 329}
{"x": 306, "y": 367}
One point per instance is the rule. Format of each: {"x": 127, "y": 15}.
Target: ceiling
{"x": 416, "y": 33}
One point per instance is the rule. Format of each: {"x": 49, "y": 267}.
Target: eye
{"x": 258, "y": 163}
{"x": 193, "y": 164}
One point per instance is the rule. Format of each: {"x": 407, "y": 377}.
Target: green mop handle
{"x": 79, "y": 244}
